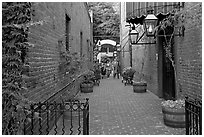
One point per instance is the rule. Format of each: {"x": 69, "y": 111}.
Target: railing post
{"x": 193, "y": 116}
{"x": 200, "y": 120}
{"x": 84, "y": 122}
{"x": 187, "y": 116}
{"x": 32, "y": 118}
{"x": 86, "y": 118}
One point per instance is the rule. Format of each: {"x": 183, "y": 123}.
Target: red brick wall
{"x": 189, "y": 52}
{"x": 45, "y": 79}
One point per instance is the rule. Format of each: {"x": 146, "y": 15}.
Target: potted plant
{"x": 97, "y": 74}
{"x": 139, "y": 87}
{"x": 128, "y": 74}
{"x": 70, "y": 64}
{"x": 88, "y": 83}
{"x": 174, "y": 113}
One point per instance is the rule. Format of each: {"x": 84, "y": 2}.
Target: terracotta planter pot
{"x": 87, "y": 87}
{"x": 139, "y": 87}
{"x": 174, "y": 117}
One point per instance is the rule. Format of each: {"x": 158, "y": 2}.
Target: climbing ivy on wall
{"x": 15, "y": 25}
{"x": 14, "y": 44}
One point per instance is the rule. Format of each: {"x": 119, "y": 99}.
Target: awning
{"x": 136, "y": 11}
{"x": 140, "y": 20}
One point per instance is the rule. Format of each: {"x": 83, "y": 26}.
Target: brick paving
{"x": 116, "y": 110}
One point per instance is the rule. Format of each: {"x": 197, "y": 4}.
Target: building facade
{"x": 61, "y": 27}
{"x": 149, "y": 59}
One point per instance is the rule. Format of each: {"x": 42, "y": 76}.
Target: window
{"x": 88, "y": 49}
{"x": 81, "y": 44}
{"x": 67, "y": 31}
{"x": 91, "y": 51}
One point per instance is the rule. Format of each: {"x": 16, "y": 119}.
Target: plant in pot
{"x": 128, "y": 74}
{"x": 87, "y": 83}
{"x": 140, "y": 86}
{"x": 173, "y": 110}
{"x": 70, "y": 69}
{"x": 174, "y": 113}
{"x": 97, "y": 73}
{"x": 70, "y": 64}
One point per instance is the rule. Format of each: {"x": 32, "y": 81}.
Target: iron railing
{"x": 69, "y": 117}
{"x": 193, "y": 117}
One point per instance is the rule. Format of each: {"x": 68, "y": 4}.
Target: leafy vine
{"x": 70, "y": 63}
{"x": 15, "y": 107}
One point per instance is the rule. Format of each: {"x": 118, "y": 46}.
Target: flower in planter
{"x": 88, "y": 77}
{"x": 174, "y": 113}
{"x": 180, "y": 103}
{"x": 129, "y": 71}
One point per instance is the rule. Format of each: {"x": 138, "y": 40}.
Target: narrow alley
{"x": 116, "y": 110}
{"x": 61, "y": 63}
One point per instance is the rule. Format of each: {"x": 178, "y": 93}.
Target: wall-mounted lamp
{"x": 133, "y": 36}
{"x": 150, "y": 22}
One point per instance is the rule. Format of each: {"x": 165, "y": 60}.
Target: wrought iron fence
{"x": 69, "y": 117}
{"x": 193, "y": 117}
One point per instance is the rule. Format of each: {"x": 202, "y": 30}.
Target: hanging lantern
{"x": 150, "y": 23}
{"x": 133, "y": 36}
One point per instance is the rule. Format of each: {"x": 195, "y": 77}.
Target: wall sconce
{"x": 150, "y": 23}
{"x": 133, "y": 35}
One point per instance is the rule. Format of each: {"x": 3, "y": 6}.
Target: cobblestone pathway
{"x": 116, "y": 110}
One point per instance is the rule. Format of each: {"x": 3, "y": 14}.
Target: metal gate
{"x": 69, "y": 117}
{"x": 193, "y": 117}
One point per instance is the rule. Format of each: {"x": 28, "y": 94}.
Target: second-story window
{"x": 88, "y": 48}
{"x": 81, "y": 44}
{"x": 67, "y": 31}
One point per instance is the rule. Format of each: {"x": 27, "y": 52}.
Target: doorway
{"x": 166, "y": 70}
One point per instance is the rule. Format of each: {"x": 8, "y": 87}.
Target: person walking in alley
{"x": 114, "y": 68}
{"x": 103, "y": 70}
{"x": 118, "y": 70}
{"x": 108, "y": 68}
